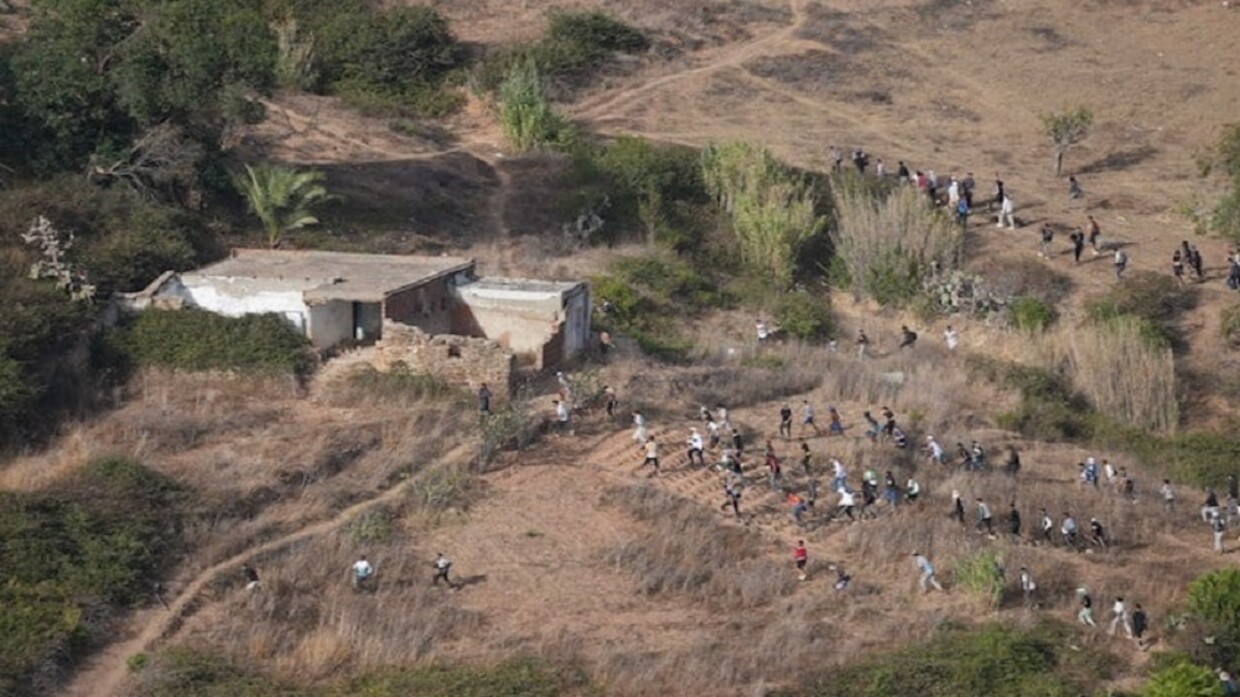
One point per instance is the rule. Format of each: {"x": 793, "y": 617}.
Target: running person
{"x": 651, "y": 449}
{"x": 442, "y": 565}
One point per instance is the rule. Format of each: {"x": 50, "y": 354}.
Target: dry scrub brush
{"x": 888, "y": 240}
{"x": 307, "y": 622}
{"x": 1125, "y": 371}
{"x": 687, "y": 551}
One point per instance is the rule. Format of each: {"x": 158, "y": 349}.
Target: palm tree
{"x": 281, "y": 197}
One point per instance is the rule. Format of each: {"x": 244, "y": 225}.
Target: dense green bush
{"x": 400, "y": 56}
{"x": 90, "y": 76}
{"x": 1029, "y": 314}
{"x": 100, "y": 538}
{"x": 195, "y": 340}
{"x": 894, "y": 279}
{"x": 1214, "y": 601}
{"x": 994, "y": 661}
{"x": 804, "y": 315}
{"x": 658, "y": 187}
{"x": 1151, "y": 296}
{"x": 1049, "y": 409}
{"x": 1183, "y": 679}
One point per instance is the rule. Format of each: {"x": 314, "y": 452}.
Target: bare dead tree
{"x": 162, "y": 161}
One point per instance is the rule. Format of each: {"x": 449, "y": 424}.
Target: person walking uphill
{"x": 927, "y": 579}
{"x": 362, "y": 572}
{"x": 785, "y": 421}
{"x": 651, "y": 449}
{"x": 442, "y": 565}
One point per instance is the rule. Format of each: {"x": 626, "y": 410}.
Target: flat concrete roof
{"x": 521, "y": 285}
{"x": 336, "y": 275}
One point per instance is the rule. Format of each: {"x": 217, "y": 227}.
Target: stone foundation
{"x": 461, "y": 361}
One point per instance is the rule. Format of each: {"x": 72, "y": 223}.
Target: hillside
{"x": 575, "y": 572}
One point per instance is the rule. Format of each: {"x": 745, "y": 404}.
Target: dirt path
{"x": 731, "y": 56}
{"x": 103, "y": 674}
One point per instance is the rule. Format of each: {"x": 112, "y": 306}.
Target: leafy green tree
{"x": 396, "y": 51}
{"x": 91, "y": 75}
{"x": 1225, "y": 219}
{"x": 1214, "y": 600}
{"x": 526, "y": 116}
{"x": 1065, "y": 129}
{"x": 1183, "y": 679}
{"x": 282, "y": 198}
{"x": 774, "y": 210}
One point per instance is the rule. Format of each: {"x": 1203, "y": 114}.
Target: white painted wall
{"x": 330, "y": 323}
{"x": 243, "y": 296}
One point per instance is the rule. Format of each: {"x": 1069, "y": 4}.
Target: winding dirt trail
{"x": 105, "y": 671}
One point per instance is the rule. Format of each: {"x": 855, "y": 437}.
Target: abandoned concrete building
{"x": 335, "y": 297}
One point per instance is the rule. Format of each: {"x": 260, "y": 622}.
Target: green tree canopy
{"x": 1065, "y": 129}
{"x": 91, "y": 75}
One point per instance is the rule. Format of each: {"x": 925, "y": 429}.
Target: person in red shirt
{"x": 801, "y": 556}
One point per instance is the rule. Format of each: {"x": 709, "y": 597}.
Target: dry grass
{"x": 1125, "y": 374}
{"x": 307, "y": 623}
{"x": 887, "y": 231}
{"x": 687, "y": 551}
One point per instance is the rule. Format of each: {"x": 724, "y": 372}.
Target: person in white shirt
{"x": 696, "y": 445}
{"x": 953, "y": 193}
{"x": 880, "y": 168}
{"x": 840, "y": 474}
{"x": 927, "y": 579}
{"x": 846, "y": 504}
{"x": 763, "y": 332}
{"x": 712, "y": 427}
{"x": 935, "y": 451}
{"x": 1007, "y": 213}
{"x": 1168, "y": 495}
{"x": 1027, "y": 586}
{"x": 639, "y": 427}
{"x": 362, "y": 572}
{"x": 1120, "y": 618}
{"x": 1108, "y": 470}
{"x": 951, "y": 337}
{"x": 442, "y": 565}
{"x": 562, "y": 416}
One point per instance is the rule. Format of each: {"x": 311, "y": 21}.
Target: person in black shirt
{"x": 1014, "y": 523}
{"x": 805, "y": 457}
{"x": 1140, "y": 622}
{"x": 785, "y": 421}
{"x": 1078, "y": 244}
{"x": 738, "y": 443}
{"x": 908, "y": 337}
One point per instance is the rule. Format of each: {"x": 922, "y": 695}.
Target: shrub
{"x": 994, "y": 661}
{"x": 194, "y": 340}
{"x": 981, "y": 574}
{"x": 179, "y": 672}
{"x": 95, "y": 540}
{"x": 1183, "y": 679}
{"x": 774, "y": 210}
{"x": 1048, "y": 410}
{"x": 671, "y": 283}
{"x": 399, "y": 51}
{"x": 804, "y": 315}
{"x": 659, "y": 187}
{"x": 1029, "y": 314}
{"x": 527, "y": 118}
{"x": 1214, "y": 600}
{"x": 890, "y": 239}
{"x": 1230, "y": 325}
{"x": 595, "y": 32}
{"x": 1151, "y": 296}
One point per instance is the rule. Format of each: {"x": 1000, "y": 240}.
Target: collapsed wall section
{"x": 460, "y": 361}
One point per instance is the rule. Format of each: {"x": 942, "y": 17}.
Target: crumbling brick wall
{"x": 462, "y": 361}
